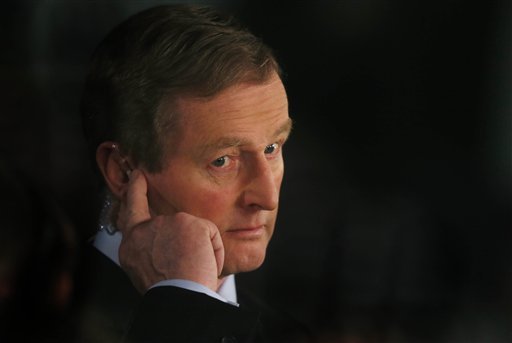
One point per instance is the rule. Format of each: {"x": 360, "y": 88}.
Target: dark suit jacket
{"x": 113, "y": 311}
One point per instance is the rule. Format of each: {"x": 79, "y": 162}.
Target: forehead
{"x": 241, "y": 97}
{"x": 252, "y": 112}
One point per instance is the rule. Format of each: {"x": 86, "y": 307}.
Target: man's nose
{"x": 262, "y": 191}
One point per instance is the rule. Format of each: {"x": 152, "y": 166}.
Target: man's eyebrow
{"x": 220, "y": 144}
{"x": 233, "y": 142}
{"x": 225, "y": 142}
{"x": 285, "y": 128}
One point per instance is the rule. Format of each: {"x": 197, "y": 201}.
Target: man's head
{"x": 156, "y": 57}
{"x": 196, "y": 103}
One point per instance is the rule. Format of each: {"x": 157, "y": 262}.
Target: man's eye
{"x": 270, "y": 149}
{"x": 220, "y": 162}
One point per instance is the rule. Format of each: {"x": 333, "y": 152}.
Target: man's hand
{"x": 178, "y": 246}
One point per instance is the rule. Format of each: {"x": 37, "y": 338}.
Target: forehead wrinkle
{"x": 225, "y": 100}
{"x": 247, "y": 111}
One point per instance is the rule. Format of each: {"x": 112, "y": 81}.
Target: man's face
{"x": 226, "y": 165}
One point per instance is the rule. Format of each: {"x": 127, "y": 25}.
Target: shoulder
{"x": 277, "y": 324}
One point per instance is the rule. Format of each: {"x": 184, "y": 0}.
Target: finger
{"x": 134, "y": 207}
{"x": 218, "y": 248}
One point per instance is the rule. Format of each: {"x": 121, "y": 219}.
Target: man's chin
{"x": 243, "y": 259}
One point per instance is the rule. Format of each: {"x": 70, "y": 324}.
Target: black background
{"x": 395, "y": 209}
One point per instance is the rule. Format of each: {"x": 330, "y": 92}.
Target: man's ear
{"x": 114, "y": 168}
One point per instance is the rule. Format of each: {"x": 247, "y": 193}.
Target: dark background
{"x": 395, "y": 209}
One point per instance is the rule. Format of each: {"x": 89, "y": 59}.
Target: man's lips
{"x": 247, "y": 232}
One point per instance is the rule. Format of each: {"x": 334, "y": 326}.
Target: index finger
{"x": 134, "y": 205}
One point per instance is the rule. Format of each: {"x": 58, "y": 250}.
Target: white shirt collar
{"x": 108, "y": 244}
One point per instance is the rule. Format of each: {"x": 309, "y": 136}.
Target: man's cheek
{"x": 210, "y": 205}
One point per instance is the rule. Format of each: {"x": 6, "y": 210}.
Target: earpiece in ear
{"x": 124, "y": 162}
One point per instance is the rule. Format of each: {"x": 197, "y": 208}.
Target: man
{"x": 186, "y": 115}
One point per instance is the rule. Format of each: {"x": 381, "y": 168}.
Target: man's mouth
{"x": 249, "y": 232}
